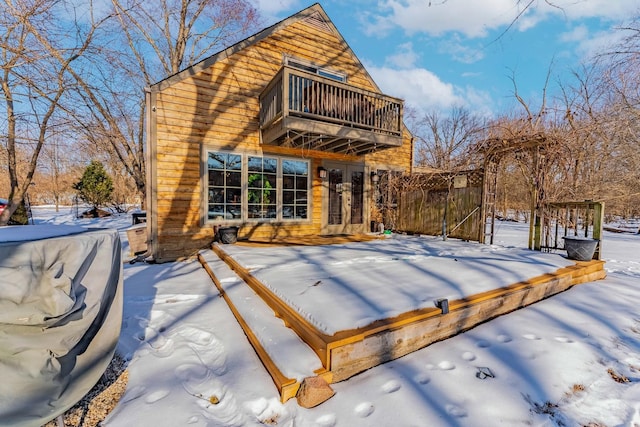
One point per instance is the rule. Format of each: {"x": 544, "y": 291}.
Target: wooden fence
{"x": 573, "y": 219}
{"x": 442, "y": 202}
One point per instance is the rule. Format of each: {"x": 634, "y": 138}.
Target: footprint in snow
{"x": 530, "y": 337}
{"x": 187, "y": 371}
{"x": 391, "y": 386}
{"x": 468, "y": 356}
{"x": 163, "y": 347}
{"x": 364, "y": 409}
{"x": 132, "y": 394}
{"x": 141, "y": 353}
{"x": 445, "y": 365}
{"x": 456, "y": 411}
{"x": 563, "y": 339}
{"x": 196, "y": 335}
{"x": 328, "y": 420}
{"x": 142, "y": 322}
{"x": 483, "y": 344}
{"x": 269, "y": 412}
{"x": 156, "y": 396}
{"x": 422, "y": 379}
{"x": 503, "y": 338}
{"x": 635, "y": 420}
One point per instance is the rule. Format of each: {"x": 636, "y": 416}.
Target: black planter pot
{"x": 227, "y": 235}
{"x": 580, "y": 248}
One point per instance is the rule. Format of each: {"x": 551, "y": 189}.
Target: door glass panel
{"x": 357, "y": 197}
{"x": 335, "y": 196}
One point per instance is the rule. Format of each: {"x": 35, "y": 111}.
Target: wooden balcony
{"x": 300, "y": 109}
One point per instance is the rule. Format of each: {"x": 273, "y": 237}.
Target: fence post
{"x": 444, "y": 218}
{"x": 598, "y": 219}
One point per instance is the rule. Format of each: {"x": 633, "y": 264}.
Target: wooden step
{"x": 273, "y": 342}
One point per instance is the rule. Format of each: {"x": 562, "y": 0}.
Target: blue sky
{"x": 437, "y": 54}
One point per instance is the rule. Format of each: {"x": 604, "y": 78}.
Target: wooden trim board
{"x": 348, "y": 359}
{"x": 350, "y": 352}
{"x": 287, "y": 387}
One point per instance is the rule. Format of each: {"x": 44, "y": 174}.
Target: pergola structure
{"x": 493, "y": 151}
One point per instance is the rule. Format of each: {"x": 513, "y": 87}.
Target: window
{"x": 256, "y": 188}
{"x": 312, "y": 68}
{"x": 261, "y": 187}
{"x": 295, "y": 188}
{"x": 224, "y": 186}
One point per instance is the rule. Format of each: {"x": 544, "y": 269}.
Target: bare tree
{"x": 443, "y": 141}
{"x": 55, "y": 174}
{"x": 180, "y": 32}
{"x": 32, "y": 84}
{"x": 619, "y": 68}
{"x": 152, "y": 41}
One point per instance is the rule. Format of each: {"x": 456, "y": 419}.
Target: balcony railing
{"x": 303, "y": 109}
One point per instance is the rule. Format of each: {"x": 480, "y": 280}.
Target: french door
{"x": 343, "y": 200}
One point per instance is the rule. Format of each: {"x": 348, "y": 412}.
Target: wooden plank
{"x": 207, "y": 106}
{"x": 397, "y": 338}
{"x": 199, "y": 239}
{"x": 287, "y": 387}
{"x": 227, "y": 78}
{"x": 313, "y": 240}
{"x": 187, "y": 93}
{"x": 186, "y": 173}
{"x": 395, "y": 156}
{"x": 174, "y": 193}
{"x": 299, "y": 152}
{"x": 203, "y": 120}
{"x": 203, "y": 111}
{"x": 325, "y": 51}
{"x": 215, "y": 136}
{"x": 307, "y": 332}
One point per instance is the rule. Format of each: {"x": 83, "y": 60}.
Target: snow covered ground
{"x": 572, "y": 359}
{"x": 368, "y": 281}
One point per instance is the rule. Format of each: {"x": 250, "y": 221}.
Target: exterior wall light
{"x": 374, "y": 177}
{"x": 322, "y": 172}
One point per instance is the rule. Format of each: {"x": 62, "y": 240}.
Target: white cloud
{"x": 271, "y": 10}
{"x": 375, "y": 25}
{"x": 425, "y": 91}
{"x": 588, "y": 44}
{"x": 605, "y": 9}
{"x": 405, "y": 58}
{"x": 477, "y": 18}
{"x": 459, "y": 51}
{"x": 579, "y": 33}
{"x": 471, "y": 18}
{"x": 599, "y": 43}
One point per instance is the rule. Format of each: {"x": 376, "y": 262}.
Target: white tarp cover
{"x": 60, "y": 317}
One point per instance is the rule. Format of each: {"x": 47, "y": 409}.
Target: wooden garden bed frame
{"x": 350, "y": 352}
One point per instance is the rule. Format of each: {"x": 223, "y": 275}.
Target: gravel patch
{"x": 100, "y": 400}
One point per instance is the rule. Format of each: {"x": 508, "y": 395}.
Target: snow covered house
{"x": 281, "y": 135}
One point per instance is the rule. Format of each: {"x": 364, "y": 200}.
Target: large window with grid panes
{"x": 256, "y": 188}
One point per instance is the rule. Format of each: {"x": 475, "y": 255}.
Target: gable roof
{"x": 314, "y": 15}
